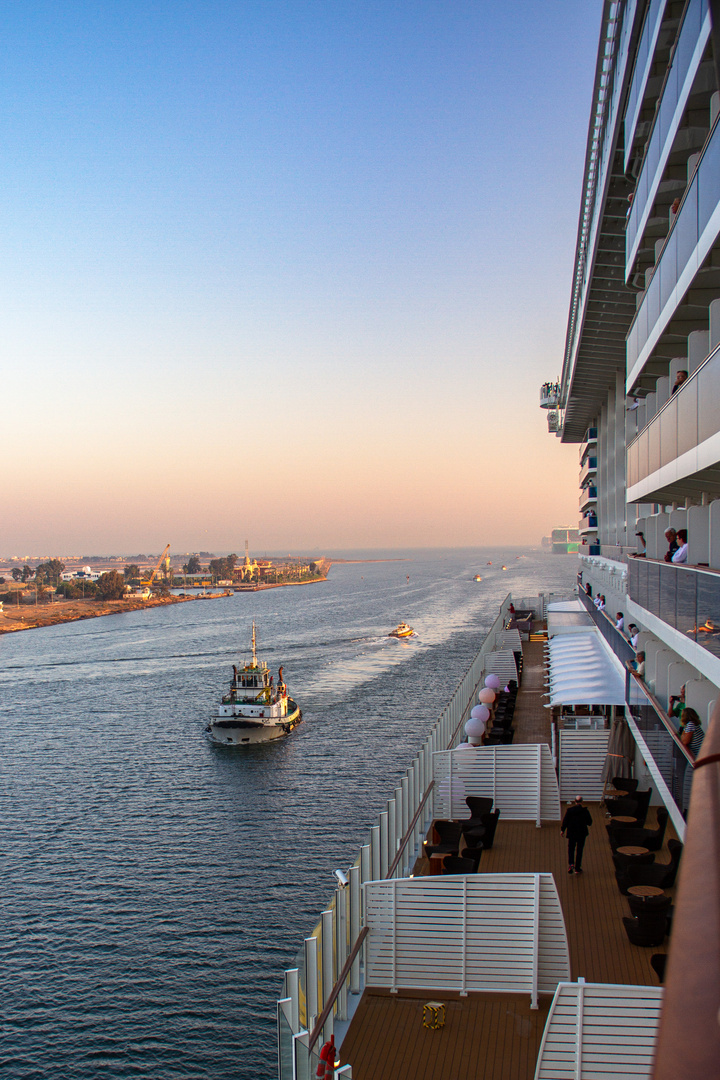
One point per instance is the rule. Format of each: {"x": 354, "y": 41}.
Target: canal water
{"x": 154, "y": 887}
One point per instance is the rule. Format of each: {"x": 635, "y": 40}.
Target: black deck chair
{"x": 448, "y": 838}
{"x": 646, "y": 930}
{"x": 453, "y": 864}
{"x": 624, "y": 783}
{"x": 625, "y": 807}
{"x": 488, "y": 822}
{"x": 474, "y": 854}
{"x": 479, "y": 805}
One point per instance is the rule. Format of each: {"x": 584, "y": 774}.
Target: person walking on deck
{"x": 575, "y": 826}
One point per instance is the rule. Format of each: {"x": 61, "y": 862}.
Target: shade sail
{"x": 583, "y": 671}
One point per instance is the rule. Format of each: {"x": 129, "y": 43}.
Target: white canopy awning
{"x": 583, "y": 671}
{"x": 567, "y": 617}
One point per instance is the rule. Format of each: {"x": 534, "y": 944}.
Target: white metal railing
{"x": 316, "y": 997}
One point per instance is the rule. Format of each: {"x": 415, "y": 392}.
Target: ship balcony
{"x": 588, "y": 496}
{"x": 550, "y": 395}
{"x": 677, "y": 453}
{"x": 684, "y": 597}
{"x": 589, "y": 444}
{"x": 589, "y": 523}
{"x": 589, "y": 469}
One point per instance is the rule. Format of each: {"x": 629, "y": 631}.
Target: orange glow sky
{"x": 288, "y": 272}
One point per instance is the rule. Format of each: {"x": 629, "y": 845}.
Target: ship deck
{"x": 498, "y": 1035}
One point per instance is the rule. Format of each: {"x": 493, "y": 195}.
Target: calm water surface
{"x": 153, "y": 887}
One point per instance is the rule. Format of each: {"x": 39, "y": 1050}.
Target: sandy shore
{"x": 29, "y": 617}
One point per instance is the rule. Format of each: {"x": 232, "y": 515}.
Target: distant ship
{"x": 254, "y": 711}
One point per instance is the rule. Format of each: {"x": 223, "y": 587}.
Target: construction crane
{"x": 150, "y": 580}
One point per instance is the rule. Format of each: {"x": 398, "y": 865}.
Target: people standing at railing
{"x": 692, "y": 731}
{"x": 671, "y": 537}
{"x": 681, "y": 554}
{"x": 641, "y": 552}
{"x": 680, "y": 378}
{"x": 677, "y": 703}
{"x": 637, "y": 665}
{"x": 634, "y": 635}
{"x": 620, "y": 621}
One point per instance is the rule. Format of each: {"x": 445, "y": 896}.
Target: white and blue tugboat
{"x": 255, "y": 710}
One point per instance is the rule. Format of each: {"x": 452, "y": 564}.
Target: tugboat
{"x": 255, "y": 710}
{"x": 477, "y": 578}
{"x": 402, "y": 630}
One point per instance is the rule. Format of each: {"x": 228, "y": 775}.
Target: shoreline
{"x": 64, "y": 611}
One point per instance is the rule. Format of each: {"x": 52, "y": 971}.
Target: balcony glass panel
{"x": 668, "y": 269}
{"x": 686, "y": 603}
{"x": 653, "y": 433}
{"x": 668, "y": 431}
{"x": 690, "y": 417}
{"x": 708, "y": 612}
{"x": 653, "y": 590}
{"x": 686, "y": 227}
{"x": 682, "y": 596}
{"x": 643, "y": 53}
{"x": 632, "y": 464}
{"x": 708, "y": 380}
{"x": 708, "y": 182}
{"x": 668, "y": 591}
{"x": 687, "y": 421}
{"x": 652, "y": 299}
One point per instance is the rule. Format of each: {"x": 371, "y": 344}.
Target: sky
{"x": 287, "y": 270}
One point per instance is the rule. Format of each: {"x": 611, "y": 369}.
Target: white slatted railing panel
{"x": 501, "y": 663}
{"x": 520, "y": 778}
{"x": 489, "y": 932}
{"x": 509, "y": 639}
{"x": 582, "y": 757}
{"x": 598, "y": 1030}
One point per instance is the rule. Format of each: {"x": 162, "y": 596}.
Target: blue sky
{"x": 326, "y": 245}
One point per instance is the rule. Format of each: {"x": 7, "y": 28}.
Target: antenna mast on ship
{"x": 253, "y": 645}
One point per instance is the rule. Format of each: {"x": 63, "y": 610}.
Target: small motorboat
{"x": 477, "y": 578}
{"x": 402, "y": 630}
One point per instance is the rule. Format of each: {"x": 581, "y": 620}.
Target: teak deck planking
{"x": 497, "y": 1036}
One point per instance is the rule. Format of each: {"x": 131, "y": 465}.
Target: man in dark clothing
{"x": 575, "y": 827}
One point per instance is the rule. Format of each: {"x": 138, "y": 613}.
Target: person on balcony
{"x": 671, "y": 537}
{"x": 620, "y": 623}
{"x": 641, "y": 552}
{"x": 680, "y": 556}
{"x": 633, "y": 634}
{"x": 637, "y": 665}
{"x": 680, "y": 378}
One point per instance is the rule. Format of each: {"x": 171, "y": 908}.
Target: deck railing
{"x": 330, "y": 965}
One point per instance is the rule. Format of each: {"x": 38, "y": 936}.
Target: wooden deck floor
{"x": 493, "y": 1036}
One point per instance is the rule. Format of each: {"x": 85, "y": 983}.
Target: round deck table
{"x": 630, "y": 850}
{"x": 644, "y": 891}
{"x": 625, "y": 820}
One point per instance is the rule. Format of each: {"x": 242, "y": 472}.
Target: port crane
{"x": 148, "y": 583}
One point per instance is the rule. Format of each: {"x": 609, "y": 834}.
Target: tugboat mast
{"x": 254, "y": 663}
